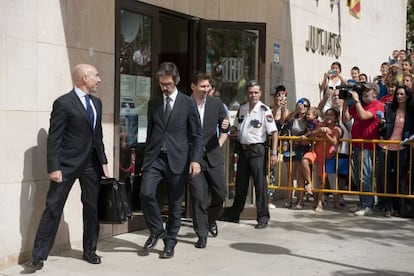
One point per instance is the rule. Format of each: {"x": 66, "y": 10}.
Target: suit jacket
{"x": 71, "y": 137}
{"x": 213, "y": 116}
{"x": 182, "y": 128}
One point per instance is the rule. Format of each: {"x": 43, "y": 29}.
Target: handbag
{"x": 113, "y": 203}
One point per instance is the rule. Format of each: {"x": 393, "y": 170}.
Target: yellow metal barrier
{"x": 379, "y": 169}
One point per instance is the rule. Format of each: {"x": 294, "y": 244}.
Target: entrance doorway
{"x": 146, "y": 36}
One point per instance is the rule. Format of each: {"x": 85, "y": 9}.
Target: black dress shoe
{"x": 201, "y": 243}
{"x": 261, "y": 225}
{"x": 168, "y": 252}
{"x": 92, "y": 258}
{"x": 213, "y": 229}
{"x": 153, "y": 239}
{"x": 229, "y": 219}
{"x": 34, "y": 263}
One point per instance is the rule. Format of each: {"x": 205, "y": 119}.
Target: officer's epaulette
{"x": 264, "y": 107}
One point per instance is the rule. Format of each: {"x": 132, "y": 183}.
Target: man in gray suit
{"x": 212, "y": 178}
{"x": 75, "y": 150}
{"x": 173, "y": 123}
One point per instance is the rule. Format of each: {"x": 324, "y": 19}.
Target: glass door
{"x": 232, "y": 53}
{"x": 135, "y": 85}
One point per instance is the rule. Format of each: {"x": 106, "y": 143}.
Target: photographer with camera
{"x": 279, "y": 108}
{"x": 364, "y": 110}
{"x": 332, "y": 79}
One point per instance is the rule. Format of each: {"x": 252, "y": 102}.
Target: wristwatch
{"x": 274, "y": 153}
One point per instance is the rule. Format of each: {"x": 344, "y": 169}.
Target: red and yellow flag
{"x": 354, "y": 8}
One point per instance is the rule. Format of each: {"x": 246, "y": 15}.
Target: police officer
{"x": 254, "y": 122}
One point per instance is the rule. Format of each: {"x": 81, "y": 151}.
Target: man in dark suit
{"x": 75, "y": 150}
{"x": 173, "y": 123}
{"x": 213, "y": 117}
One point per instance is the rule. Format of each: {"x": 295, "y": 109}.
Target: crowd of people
{"x": 360, "y": 107}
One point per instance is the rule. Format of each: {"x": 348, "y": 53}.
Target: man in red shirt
{"x": 365, "y": 110}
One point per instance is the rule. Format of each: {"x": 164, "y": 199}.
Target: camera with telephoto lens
{"x": 344, "y": 90}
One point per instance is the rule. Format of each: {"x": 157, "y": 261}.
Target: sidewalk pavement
{"x": 295, "y": 243}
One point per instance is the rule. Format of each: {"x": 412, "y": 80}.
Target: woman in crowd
{"x": 296, "y": 125}
{"x": 332, "y": 79}
{"x": 279, "y": 108}
{"x": 280, "y": 112}
{"x": 397, "y": 124}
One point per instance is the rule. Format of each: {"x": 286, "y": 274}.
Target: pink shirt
{"x": 397, "y": 132}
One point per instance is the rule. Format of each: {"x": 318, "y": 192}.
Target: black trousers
{"x": 393, "y": 173}
{"x": 205, "y": 208}
{"x": 251, "y": 162}
{"x": 152, "y": 176}
{"x": 55, "y": 201}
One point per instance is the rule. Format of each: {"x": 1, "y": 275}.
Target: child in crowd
{"x": 382, "y": 79}
{"x": 394, "y": 58}
{"x": 402, "y": 55}
{"x": 400, "y": 69}
{"x": 408, "y": 80}
{"x": 391, "y": 86}
{"x": 328, "y": 133}
{"x": 355, "y": 73}
{"x": 312, "y": 116}
{"x": 406, "y": 66}
{"x": 363, "y": 77}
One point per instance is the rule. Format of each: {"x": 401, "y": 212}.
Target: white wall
{"x": 40, "y": 41}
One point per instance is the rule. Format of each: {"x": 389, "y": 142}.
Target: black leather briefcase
{"x": 113, "y": 203}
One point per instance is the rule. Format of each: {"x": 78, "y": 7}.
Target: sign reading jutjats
{"x": 323, "y": 42}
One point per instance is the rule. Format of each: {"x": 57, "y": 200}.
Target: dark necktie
{"x": 167, "y": 110}
{"x": 89, "y": 110}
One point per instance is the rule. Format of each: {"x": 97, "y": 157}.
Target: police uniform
{"x": 253, "y": 129}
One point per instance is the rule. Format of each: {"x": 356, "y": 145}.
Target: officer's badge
{"x": 240, "y": 119}
{"x": 269, "y": 118}
{"x": 256, "y": 123}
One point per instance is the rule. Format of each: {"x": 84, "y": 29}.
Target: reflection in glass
{"x": 231, "y": 59}
{"x": 135, "y": 44}
{"x": 135, "y": 87}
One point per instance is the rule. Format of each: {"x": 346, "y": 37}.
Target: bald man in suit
{"x": 75, "y": 150}
{"x": 173, "y": 124}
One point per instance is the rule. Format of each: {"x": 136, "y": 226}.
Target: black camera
{"x": 344, "y": 90}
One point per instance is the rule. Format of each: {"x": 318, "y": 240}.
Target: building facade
{"x": 290, "y": 42}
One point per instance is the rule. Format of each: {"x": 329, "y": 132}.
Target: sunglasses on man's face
{"x": 334, "y": 87}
